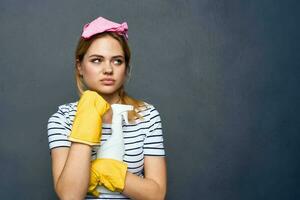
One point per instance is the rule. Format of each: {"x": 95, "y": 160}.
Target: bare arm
{"x": 71, "y": 170}
{"x": 153, "y": 186}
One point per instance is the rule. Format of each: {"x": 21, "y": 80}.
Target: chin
{"x": 107, "y": 91}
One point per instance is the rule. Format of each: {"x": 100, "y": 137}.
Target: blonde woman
{"x": 77, "y": 129}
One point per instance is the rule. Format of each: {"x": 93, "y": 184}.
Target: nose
{"x": 108, "y": 68}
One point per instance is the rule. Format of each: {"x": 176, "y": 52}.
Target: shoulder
{"x": 59, "y": 125}
{"x": 66, "y": 110}
{"x": 148, "y": 111}
{"x": 68, "y": 107}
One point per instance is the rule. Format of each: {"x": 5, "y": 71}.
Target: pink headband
{"x": 100, "y": 25}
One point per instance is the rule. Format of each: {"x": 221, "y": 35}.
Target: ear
{"x": 79, "y": 66}
{"x": 128, "y": 74}
{"x": 128, "y": 71}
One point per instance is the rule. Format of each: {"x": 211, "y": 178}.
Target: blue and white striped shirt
{"x": 142, "y": 138}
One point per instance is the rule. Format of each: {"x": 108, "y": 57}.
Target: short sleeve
{"x": 153, "y": 143}
{"x": 58, "y": 130}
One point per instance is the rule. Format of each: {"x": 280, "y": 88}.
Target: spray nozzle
{"x": 121, "y": 109}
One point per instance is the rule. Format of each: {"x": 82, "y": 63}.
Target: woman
{"x": 102, "y": 66}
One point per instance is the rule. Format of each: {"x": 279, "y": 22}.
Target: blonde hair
{"x": 81, "y": 50}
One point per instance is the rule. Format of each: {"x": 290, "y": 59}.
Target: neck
{"x": 111, "y": 99}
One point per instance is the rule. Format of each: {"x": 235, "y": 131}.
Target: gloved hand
{"x": 87, "y": 125}
{"x": 109, "y": 173}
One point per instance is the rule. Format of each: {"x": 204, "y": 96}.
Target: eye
{"x": 118, "y": 61}
{"x": 96, "y": 60}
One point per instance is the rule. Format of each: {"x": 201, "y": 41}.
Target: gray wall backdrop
{"x": 223, "y": 74}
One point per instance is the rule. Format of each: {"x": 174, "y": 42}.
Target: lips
{"x": 107, "y": 81}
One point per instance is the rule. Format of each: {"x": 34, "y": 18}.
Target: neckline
{"x": 106, "y": 124}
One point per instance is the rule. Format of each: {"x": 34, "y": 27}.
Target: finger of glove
{"x": 94, "y": 192}
{"x": 106, "y": 182}
{"x": 91, "y": 99}
{"x": 94, "y": 182}
{"x": 98, "y": 167}
{"x": 112, "y": 173}
{"x": 101, "y": 105}
{"x": 87, "y": 100}
{"x": 117, "y": 180}
{"x": 94, "y": 176}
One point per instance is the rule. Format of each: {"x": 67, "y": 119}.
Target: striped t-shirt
{"x": 142, "y": 138}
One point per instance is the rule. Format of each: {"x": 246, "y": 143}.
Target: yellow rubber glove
{"x": 87, "y": 125}
{"x": 109, "y": 173}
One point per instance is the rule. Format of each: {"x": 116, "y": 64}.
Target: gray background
{"x": 223, "y": 74}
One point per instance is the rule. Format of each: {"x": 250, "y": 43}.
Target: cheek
{"x": 122, "y": 74}
{"x": 90, "y": 71}
{"x": 90, "y": 76}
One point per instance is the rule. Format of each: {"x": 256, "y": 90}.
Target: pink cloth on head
{"x": 100, "y": 25}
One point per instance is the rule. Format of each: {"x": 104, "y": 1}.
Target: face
{"x": 103, "y": 67}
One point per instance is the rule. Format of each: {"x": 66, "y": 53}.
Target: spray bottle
{"x": 114, "y": 147}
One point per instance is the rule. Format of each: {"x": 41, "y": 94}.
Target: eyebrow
{"x": 97, "y": 55}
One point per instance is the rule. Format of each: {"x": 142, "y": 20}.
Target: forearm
{"x": 138, "y": 188}
{"x": 74, "y": 179}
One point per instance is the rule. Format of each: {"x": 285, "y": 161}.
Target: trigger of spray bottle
{"x": 125, "y": 116}
{"x": 121, "y": 110}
